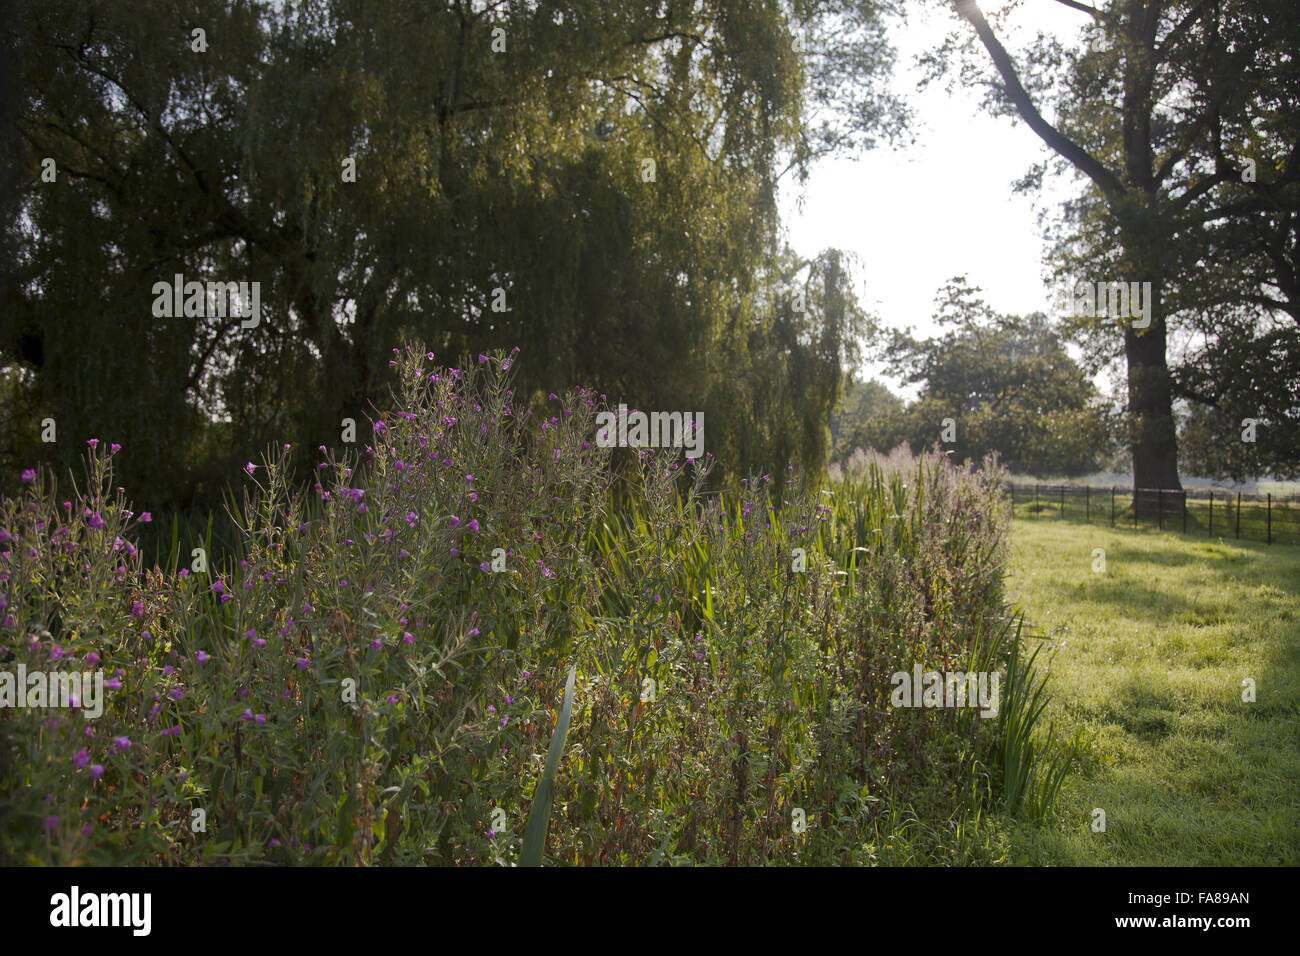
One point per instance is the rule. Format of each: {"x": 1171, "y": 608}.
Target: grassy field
{"x": 1148, "y": 658}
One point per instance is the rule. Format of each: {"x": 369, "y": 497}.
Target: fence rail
{"x": 1200, "y": 511}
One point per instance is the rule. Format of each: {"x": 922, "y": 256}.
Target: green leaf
{"x": 540, "y": 814}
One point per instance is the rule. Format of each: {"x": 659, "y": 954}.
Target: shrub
{"x": 376, "y": 676}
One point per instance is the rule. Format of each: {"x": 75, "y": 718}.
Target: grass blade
{"x": 540, "y": 814}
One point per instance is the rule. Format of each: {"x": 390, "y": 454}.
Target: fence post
{"x": 1239, "y": 515}
{"x": 1160, "y": 509}
{"x": 1184, "y": 511}
{"x": 1087, "y": 503}
{"x": 1112, "y": 506}
{"x": 1270, "y": 517}
{"x": 1135, "y": 507}
{"x": 1211, "y": 534}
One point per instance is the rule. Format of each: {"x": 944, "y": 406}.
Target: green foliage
{"x": 1033, "y": 767}
{"x": 361, "y": 684}
{"x": 1006, "y": 382}
{"x": 539, "y": 815}
{"x": 1181, "y": 117}
{"x": 869, "y": 416}
{"x": 480, "y": 172}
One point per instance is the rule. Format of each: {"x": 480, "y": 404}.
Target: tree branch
{"x": 1079, "y": 157}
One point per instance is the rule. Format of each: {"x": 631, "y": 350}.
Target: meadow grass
{"x": 1148, "y": 658}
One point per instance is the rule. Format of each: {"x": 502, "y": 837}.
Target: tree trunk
{"x": 1153, "y": 437}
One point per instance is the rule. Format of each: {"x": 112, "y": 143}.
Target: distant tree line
{"x": 989, "y": 382}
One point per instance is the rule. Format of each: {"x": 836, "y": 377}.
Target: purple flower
{"x": 92, "y": 442}
{"x": 218, "y": 587}
{"x": 113, "y": 683}
{"x": 146, "y": 517}
{"x": 201, "y": 656}
{"x": 260, "y": 719}
{"x": 247, "y": 715}
{"x": 250, "y": 633}
{"x": 137, "y": 609}
{"x": 392, "y": 698}
{"x": 51, "y": 822}
{"x": 376, "y": 644}
{"x": 172, "y": 731}
{"x": 485, "y": 567}
{"x": 92, "y": 658}
{"x": 473, "y": 525}
{"x": 96, "y": 521}
{"x": 121, "y": 743}
{"x": 56, "y": 652}
{"x": 408, "y": 638}
{"x": 303, "y": 663}
{"x": 177, "y": 693}
{"x": 81, "y": 758}
{"x": 29, "y": 476}
{"x": 114, "y": 448}
{"x": 453, "y": 521}
{"x": 249, "y": 467}
{"x": 96, "y": 771}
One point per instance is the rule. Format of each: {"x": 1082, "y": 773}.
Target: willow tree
{"x": 592, "y": 181}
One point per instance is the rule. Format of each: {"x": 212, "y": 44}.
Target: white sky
{"x": 943, "y": 206}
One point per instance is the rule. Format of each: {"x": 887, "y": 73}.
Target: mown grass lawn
{"x": 1148, "y": 658}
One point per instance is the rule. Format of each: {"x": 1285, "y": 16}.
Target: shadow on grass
{"x": 1206, "y": 779}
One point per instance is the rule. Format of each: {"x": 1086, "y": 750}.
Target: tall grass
{"x": 370, "y": 677}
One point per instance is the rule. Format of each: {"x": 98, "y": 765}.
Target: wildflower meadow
{"x": 376, "y": 673}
